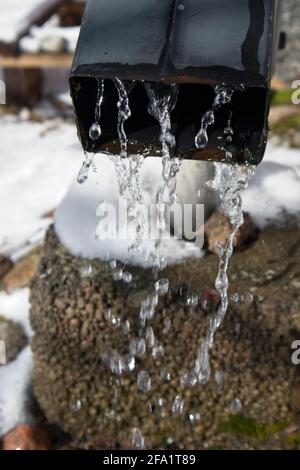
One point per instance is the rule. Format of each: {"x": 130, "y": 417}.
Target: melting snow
{"x": 15, "y": 377}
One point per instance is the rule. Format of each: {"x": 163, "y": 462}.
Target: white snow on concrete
{"x": 14, "y": 381}
{"x": 15, "y": 377}
{"x": 275, "y": 187}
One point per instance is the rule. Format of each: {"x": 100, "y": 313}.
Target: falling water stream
{"x": 223, "y": 95}
{"x": 94, "y": 134}
{"x": 229, "y": 181}
{"x": 162, "y": 100}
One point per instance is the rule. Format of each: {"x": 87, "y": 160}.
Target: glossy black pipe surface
{"x": 194, "y": 43}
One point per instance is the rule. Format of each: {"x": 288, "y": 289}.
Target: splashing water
{"x": 128, "y": 169}
{"x": 138, "y": 440}
{"x": 178, "y": 405}
{"x": 117, "y": 363}
{"x": 162, "y": 286}
{"x": 223, "y": 95}
{"x": 94, "y": 134}
{"x": 229, "y": 181}
{"x": 124, "y": 112}
{"x": 162, "y": 100}
{"x": 144, "y": 381}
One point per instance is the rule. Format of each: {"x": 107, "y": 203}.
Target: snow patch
{"x": 38, "y": 163}
{"x": 275, "y": 186}
{"x": 15, "y": 307}
{"x": 15, "y": 379}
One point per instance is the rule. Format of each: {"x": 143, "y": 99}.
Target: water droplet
{"x": 115, "y": 320}
{"x": 130, "y": 363}
{"x": 219, "y": 377}
{"x": 76, "y": 406}
{"x": 150, "y": 337}
{"x": 126, "y": 327}
{"x": 189, "y": 379}
{"x": 236, "y": 405}
{"x": 165, "y": 375}
{"x": 84, "y": 170}
{"x": 117, "y": 275}
{"x": 112, "y": 264}
{"x": 86, "y": 271}
{"x": 162, "y": 286}
{"x": 137, "y": 347}
{"x": 167, "y": 326}
{"x": 178, "y": 405}
{"x": 201, "y": 139}
{"x": 117, "y": 363}
{"x": 194, "y": 417}
{"x": 107, "y": 314}
{"x": 158, "y": 351}
{"x": 235, "y": 298}
{"x": 160, "y": 402}
{"x": 181, "y": 7}
{"x": 95, "y": 131}
{"x": 144, "y": 381}
{"x": 192, "y": 300}
{"x": 127, "y": 277}
{"x": 138, "y": 440}
{"x": 147, "y": 311}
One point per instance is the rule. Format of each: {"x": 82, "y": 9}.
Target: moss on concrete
{"x": 245, "y": 426}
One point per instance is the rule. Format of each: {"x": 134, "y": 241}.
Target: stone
{"x": 218, "y": 227}
{"x": 26, "y": 437}
{"x": 23, "y": 271}
{"x": 103, "y": 442}
{"x": 6, "y": 265}
{"x": 13, "y": 337}
{"x": 68, "y": 365}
